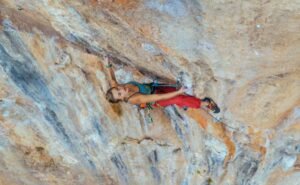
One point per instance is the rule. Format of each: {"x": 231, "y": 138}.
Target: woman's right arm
{"x": 141, "y": 98}
{"x": 111, "y": 73}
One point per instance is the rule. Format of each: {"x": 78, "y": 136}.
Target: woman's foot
{"x": 211, "y": 105}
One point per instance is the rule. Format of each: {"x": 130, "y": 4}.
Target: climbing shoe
{"x": 211, "y": 105}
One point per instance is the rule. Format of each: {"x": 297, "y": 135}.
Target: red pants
{"x": 180, "y": 100}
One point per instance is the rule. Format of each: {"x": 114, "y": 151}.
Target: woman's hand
{"x": 182, "y": 90}
{"x": 107, "y": 61}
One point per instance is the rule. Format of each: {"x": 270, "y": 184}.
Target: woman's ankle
{"x": 204, "y": 104}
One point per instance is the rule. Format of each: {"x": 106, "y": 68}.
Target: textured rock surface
{"x": 57, "y": 128}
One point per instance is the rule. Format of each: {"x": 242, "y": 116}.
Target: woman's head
{"x": 117, "y": 94}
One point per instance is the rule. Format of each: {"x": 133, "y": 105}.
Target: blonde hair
{"x": 110, "y": 97}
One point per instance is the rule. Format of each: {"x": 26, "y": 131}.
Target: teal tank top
{"x": 143, "y": 88}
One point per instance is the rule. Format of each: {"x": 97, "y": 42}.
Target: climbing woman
{"x": 158, "y": 95}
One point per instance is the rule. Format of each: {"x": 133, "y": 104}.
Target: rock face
{"x": 57, "y": 128}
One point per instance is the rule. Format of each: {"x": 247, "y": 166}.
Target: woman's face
{"x": 120, "y": 92}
